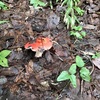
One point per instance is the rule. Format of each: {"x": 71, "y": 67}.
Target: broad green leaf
{"x": 83, "y": 33}
{"x": 98, "y": 54}
{"x": 72, "y": 69}
{"x": 3, "y": 62}
{"x": 94, "y": 56}
{"x": 63, "y": 76}
{"x": 3, "y": 6}
{"x": 85, "y": 74}
{"x": 37, "y": 3}
{"x": 78, "y": 35}
{"x": 42, "y": 4}
{"x": 3, "y": 21}
{"x": 79, "y": 61}
{"x": 72, "y": 33}
{"x": 73, "y": 80}
{"x": 5, "y": 53}
{"x": 77, "y": 28}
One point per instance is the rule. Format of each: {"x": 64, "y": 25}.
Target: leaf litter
{"x": 32, "y": 78}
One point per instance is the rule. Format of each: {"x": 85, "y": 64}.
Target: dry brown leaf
{"x": 96, "y": 62}
{"x": 88, "y": 26}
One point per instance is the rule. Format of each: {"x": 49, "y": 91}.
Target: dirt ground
{"x": 31, "y": 78}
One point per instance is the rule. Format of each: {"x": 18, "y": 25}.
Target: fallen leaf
{"x": 94, "y": 42}
{"x": 3, "y": 80}
{"x": 48, "y": 57}
{"x": 53, "y": 20}
{"x": 88, "y": 26}
{"x": 96, "y": 62}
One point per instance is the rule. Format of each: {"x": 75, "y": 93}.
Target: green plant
{"x": 77, "y": 32}
{"x": 3, "y": 6}
{"x": 70, "y": 17}
{"x": 3, "y": 60}
{"x": 96, "y": 55}
{"x": 72, "y": 8}
{"x": 70, "y": 74}
{"x": 37, "y": 3}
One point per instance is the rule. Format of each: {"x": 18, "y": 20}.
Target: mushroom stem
{"x": 38, "y": 54}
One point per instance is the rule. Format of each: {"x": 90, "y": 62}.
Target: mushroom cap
{"x": 35, "y": 46}
{"x": 27, "y": 46}
{"x": 45, "y": 43}
{"x": 41, "y": 44}
{"x": 32, "y": 46}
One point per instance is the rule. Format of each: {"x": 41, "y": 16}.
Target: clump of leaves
{"x": 3, "y": 59}
{"x": 3, "y": 6}
{"x": 70, "y": 17}
{"x": 37, "y": 3}
{"x": 70, "y": 74}
{"x": 72, "y": 8}
{"x": 77, "y": 32}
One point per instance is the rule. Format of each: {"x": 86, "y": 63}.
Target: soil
{"x": 31, "y": 78}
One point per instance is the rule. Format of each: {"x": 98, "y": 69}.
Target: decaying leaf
{"x": 96, "y": 62}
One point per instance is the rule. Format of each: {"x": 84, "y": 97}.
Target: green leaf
{"x": 71, "y": 4}
{"x": 85, "y": 74}
{"x": 72, "y": 69}
{"x": 63, "y": 76}
{"x": 68, "y": 11}
{"x": 3, "y": 21}
{"x": 72, "y": 21}
{"x": 78, "y": 35}
{"x": 98, "y": 54}
{"x": 79, "y": 10}
{"x": 94, "y": 56}
{"x": 57, "y": 1}
{"x": 83, "y": 33}
{"x": 5, "y": 53}
{"x": 67, "y": 20}
{"x": 64, "y": 2}
{"x": 37, "y": 3}
{"x": 75, "y": 17}
{"x": 3, "y": 6}
{"x": 73, "y": 80}
{"x": 75, "y": 2}
{"x": 72, "y": 32}
{"x": 77, "y": 28}
{"x": 3, "y": 62}
{"x": 42, "y": 4}
{"x": 79, "y": 61}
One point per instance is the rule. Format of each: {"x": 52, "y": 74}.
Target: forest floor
{"x": 31, "y": 78}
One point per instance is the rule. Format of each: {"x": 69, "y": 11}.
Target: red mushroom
{"x": 40, "y": 45}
